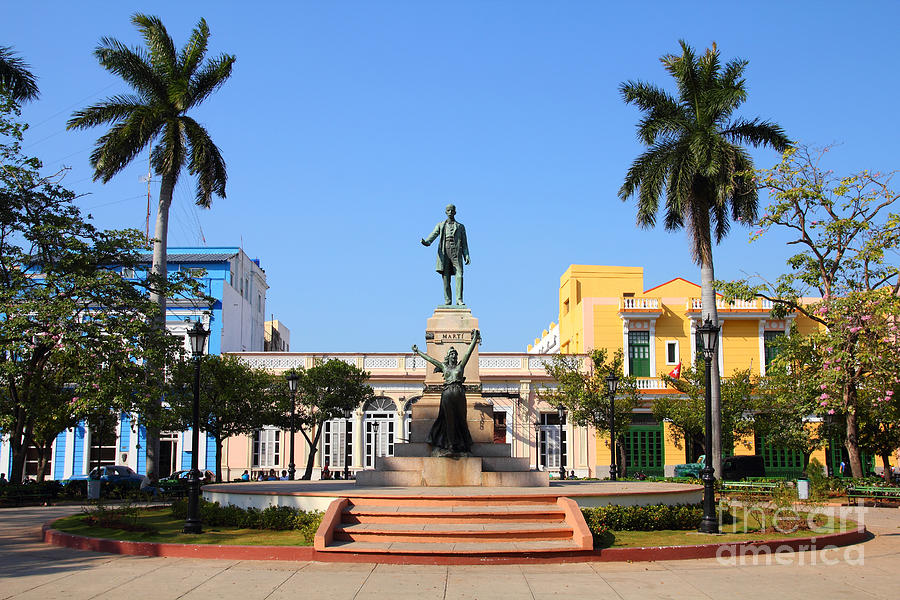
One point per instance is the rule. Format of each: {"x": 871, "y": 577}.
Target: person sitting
{"x": 272, "y": 475}
{"x": 259, "y": 476}
{"x": 284, "y": 476}
{"x": 149, "y": 485}
{"x": 245, "y": 476}
{"x": 3, "y": 478}
{"x": 326, "y": 474}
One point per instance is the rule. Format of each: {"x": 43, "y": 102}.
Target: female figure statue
{"x": 450, "y": 433}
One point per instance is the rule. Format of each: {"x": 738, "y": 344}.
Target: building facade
{"x": 235, "y": 319}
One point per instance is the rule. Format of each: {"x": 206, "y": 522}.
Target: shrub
{"x": 279, "y": 518}
{"x": 643, "y": 518}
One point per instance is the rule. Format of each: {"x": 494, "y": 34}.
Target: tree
{"x": 584, "y": 393}
{"x": 686, "y": 412}
{"x": 695, "y": 156}
{"x": 787, "y": 397}
{"x": 16, "y": 79}
{"x": 73, "y": 332}
{"x": 324, "y": 392}
{"x": 845, "y": 230}
{"x": 231, "y": 393}
{"x": 168, "y": 84}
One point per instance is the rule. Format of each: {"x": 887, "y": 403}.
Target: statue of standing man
{"x": 452, "y": 253}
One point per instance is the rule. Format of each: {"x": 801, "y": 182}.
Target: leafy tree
{"x": 16, "y": 79}
{"x": 167, "y": 84}
{"x": 687, "y": 412}
{"x": 231, "y": 393}
{"x": 324, "y": 392}
{"x": 845, "y": 232}
{"x": 584, "y": 393}
{"x": 73, "y": 332}
{"x": 787, "y": 397}
{"x": 695, "y": 159}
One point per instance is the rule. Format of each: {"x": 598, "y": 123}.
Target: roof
{"x": 192, "y": 257}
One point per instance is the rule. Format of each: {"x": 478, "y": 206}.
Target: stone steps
{"x": 453, "y": 525}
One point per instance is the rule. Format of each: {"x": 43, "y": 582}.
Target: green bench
{"x": 748, "y": 487}
{"x": 873, "y": 492}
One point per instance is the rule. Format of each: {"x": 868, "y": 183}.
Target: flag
{"x": 676, "y": 372}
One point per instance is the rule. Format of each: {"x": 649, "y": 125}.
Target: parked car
{"x": 118, "y": 476}
{"x": 183, "y": 479}
{"x": 691, "y": 469}
{"x": 741, "y": 467}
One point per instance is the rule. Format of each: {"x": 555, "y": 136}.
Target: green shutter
{"x": 644, "y": 450}
{"x": 639, "y": 353}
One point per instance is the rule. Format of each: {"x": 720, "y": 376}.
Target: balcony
{"x": 755, "y": 306}
{"x": 639, "y": 305}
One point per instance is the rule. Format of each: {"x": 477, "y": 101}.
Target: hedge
{"x": 654, "y": 517}
{"x": 279, "y": 518}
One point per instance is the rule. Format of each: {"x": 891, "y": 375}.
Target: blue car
{"x": 112, "y": 475}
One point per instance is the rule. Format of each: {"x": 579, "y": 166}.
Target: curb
{"x": 728, "y": 550}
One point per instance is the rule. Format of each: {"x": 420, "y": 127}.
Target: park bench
{"x": 873, "y": 492}
{"x": 748, "y": 487}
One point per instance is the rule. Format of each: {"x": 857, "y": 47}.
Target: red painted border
{"x": 308, "y": 553}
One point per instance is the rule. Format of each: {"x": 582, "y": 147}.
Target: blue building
{"x": 236, "y": 321}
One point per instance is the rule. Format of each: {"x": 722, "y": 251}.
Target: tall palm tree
{"x": 167, "y": 84}
{"x": 15, "y": 77}
{"x": 695, "y": 157}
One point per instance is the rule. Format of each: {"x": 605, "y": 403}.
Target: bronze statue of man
{"x": 452, "y": 253}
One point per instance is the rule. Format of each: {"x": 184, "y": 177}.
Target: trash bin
{"x": 93, "y": 489}
{"x": 803, "y": 489}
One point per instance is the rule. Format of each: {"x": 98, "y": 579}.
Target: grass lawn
{"x": 168, "y": 530}
{"x": 745, "y": 527}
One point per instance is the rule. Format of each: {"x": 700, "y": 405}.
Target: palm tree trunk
{"x": 708, "y": 301}
{"x": 157, "y": 295}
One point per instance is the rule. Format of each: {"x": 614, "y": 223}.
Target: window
{"x": 553, "y": 443}
{"x": 338, "y": 442}
{"x": 639, "y": 353}
{"x": 672, "y": 352}
{"x": 266, "y": 448}
{"x": 769, "y": 345}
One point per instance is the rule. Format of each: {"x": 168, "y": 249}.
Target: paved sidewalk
{"x": 31, "y": 569}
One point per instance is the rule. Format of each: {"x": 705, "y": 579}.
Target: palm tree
{"x": 694, "y": 154}
{"x": 167, "y": 84}
{"x": 15, "y": 78}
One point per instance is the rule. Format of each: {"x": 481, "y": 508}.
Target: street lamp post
{"x": 348, "y": 413}
{"x": 197, "y": 335}
{"x": 709, "y": 335}
{"x": 612, "y": 383}
{"x": 561, "y": 412}
{"x": 537, "y": 445}
{"x": 292, "y": 379}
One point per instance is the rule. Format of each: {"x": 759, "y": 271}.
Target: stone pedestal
{"x": 452, "y": 328}
{"x": 489, "y": 464}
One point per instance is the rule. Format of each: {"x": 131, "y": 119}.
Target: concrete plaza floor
{"x": 31, "y": 569}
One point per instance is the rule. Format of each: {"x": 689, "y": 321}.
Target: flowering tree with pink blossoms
{"x": 846, "y": 232}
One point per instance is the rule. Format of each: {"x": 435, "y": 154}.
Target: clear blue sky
{"x": 348, "y": 126}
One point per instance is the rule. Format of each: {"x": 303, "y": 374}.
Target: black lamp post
{"x": 612, "y": 383}
{"x": 292, "y": 379}
{"x": 537, "y": 445}
{"x": 561, "y": 412}
{"x": 709, "y": 335}
{"x": 197, "y": 336}
{"x": 348, "y": 413}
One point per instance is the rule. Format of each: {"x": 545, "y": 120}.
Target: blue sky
{"x": 348, "y": 126}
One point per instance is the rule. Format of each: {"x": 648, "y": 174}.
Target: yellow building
{"x": 608, "y": 307}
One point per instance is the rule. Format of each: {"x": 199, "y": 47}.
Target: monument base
{"x": 488, "y": 464}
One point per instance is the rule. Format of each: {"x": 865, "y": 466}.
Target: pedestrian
{"x": 245, "y": 476}
{"x": 326, "y": 474}
{"x": 149, "y": 485}
{"x": 3, "y": 478}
